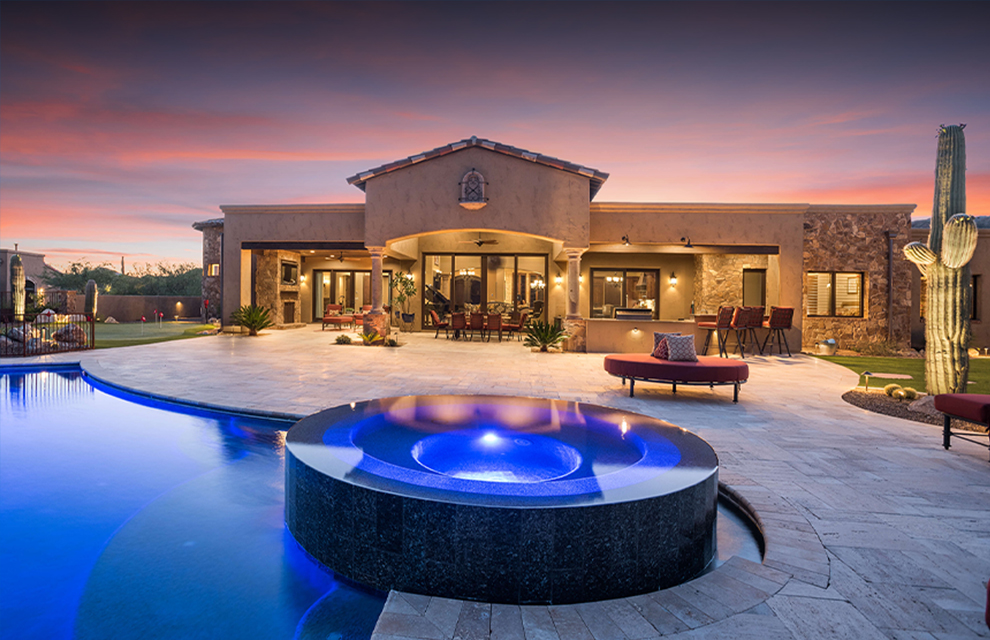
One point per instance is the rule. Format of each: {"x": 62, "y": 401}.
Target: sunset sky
{"x": 123, "y": 123}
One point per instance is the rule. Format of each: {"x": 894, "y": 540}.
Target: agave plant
{"x": 544, "y": 335}
{"x": 253, "y": 318}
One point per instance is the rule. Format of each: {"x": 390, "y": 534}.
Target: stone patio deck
{"x": 872, "y": 529}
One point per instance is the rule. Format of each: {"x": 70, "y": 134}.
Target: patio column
{"x": 573, "y": 282}
{"x": 376, "y": 278}
{"x": 574, "y": 324}
{"x": 376, "y": 320}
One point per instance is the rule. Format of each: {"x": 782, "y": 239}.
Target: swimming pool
{"x": 123, "y": 518}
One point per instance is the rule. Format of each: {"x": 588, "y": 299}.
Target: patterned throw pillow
{"x": 659, "y": 345}
{"x": 681, "y": 349}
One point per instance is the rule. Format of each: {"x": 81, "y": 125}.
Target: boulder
{"x": 19, "y": 334}
{"x": 110, "y": 320}
{"x": 71, "y": 334}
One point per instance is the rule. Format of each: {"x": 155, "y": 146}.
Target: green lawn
{"x": 133, "y": 333}
{"x": 979, "y": 371}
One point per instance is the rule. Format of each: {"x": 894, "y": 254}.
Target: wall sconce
{"x": 581, "y": 279}
{"x": 673, "y": 279}
{"x": 558, "y": 279}
{"x": 635, "y": 330}
{"x": 687, "y": 243}
{"x": 625, "y": 240}
{"x": 302, "y": 278}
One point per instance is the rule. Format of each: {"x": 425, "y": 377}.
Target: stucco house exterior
{"x": 483, "y": 225}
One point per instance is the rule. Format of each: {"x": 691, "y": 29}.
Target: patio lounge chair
{"x": 439, "y": 325}
{"x": 721, "y": 327}
{"x": 333, "y": 316}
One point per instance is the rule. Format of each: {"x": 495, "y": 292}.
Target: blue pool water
{"x": 126, "y": 519}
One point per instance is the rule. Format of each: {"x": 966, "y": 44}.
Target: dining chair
{"x": 477, "y": 323}
{"x": 439, "y": 325}
{"x": 494, "y": 324}
{"x": 458, "y": 322}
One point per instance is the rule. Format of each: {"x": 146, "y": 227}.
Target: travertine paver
{"x": 873, "y": 531}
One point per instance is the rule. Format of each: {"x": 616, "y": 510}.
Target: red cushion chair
{"x": 779, "y": 322}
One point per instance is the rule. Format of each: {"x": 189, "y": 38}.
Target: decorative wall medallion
{"x": 473, "y": 191}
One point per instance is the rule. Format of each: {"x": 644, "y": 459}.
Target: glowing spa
{"x": 501, "y": 499}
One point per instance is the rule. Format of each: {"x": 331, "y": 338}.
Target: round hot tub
{"x": 501, "y": 499}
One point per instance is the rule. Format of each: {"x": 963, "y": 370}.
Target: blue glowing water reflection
{"x": 122, "y": 520}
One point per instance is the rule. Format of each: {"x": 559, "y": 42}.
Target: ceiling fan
{"x": 479, "y": 242}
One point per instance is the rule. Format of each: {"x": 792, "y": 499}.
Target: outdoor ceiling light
{"x": 687, "y": 243}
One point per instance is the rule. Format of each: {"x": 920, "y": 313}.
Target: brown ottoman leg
{"x": 946, "y": 430}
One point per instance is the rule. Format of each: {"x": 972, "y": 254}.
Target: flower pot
{"x": 408, "y": 317}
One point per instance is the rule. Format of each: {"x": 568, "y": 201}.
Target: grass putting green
{"x": 129, "y": 334}
{"x": 979, "y": 371}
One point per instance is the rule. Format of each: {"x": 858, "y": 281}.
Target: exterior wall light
{"x": 673, "y": 279}
{"x": 625, "y": 240}
{"x": 558, "y": 279}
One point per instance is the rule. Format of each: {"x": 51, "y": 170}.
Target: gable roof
{"x": 596, "y": 177}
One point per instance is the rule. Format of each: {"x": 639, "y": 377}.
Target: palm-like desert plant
{"x": 544, "y": 335}
{"x": 253, "y": 318}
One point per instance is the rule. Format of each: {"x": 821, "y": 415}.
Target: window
{"x": 613, "y": 289}
{"x": 976, "y": 298}
{"x": 754, "y": 288}
{"x": 833, "y": 293}
{"x": 290, "y": 273}
{"x": 213, "y": 269}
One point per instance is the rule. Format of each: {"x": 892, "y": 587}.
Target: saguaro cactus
{"x": 944, "y": 264}
{"x": 17, "y": 286}
{"x": 89, "y": 307}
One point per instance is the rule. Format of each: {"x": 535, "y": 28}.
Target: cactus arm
{"x": 17, "y": 283}
{"x": 959, "y": 237}
{"x": 919, "y": 254}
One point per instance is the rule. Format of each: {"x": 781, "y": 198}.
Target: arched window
{"x": 473, "y": 191}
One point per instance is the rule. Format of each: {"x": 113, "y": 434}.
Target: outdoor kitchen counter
{"x": 607, "y": 335}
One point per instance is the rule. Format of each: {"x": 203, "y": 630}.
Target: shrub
{"x": 891, "y": 389}
{"x": 253, "y": 318}
{"x": 391, "y": 342}
{"x": 343, "y": 339}
{"x": 544, "y": 335}
{"x": 910, "y": 394}
{"x": 371, "y": 338}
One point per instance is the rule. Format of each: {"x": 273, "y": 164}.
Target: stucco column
{"x": 376, "y": 278}
{"x": 574, "y": 324}
{"x": 376, "y": 320}
{"x": 573, "y": 283}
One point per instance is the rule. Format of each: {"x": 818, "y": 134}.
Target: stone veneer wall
{"x": 718, "y": 279}
{"x": 269, "y": 292}
{"x": 212, "y": 285}
{"x": 851, "y": 238}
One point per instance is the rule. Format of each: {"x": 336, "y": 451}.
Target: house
{"x": 483, "y": 225}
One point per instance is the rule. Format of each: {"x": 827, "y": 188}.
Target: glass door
{"x": 322, "y": 281}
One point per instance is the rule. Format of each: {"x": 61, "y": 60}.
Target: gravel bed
{"x": 882, "y": 403}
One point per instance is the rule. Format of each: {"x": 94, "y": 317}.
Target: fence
{"x": 54, "y": 299}
{"x": 45, "y": 333}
